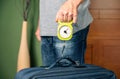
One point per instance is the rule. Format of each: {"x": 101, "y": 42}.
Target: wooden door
{"x": 104, "y": 35}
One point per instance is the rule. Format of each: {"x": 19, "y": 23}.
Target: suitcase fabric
{"x": 85, "y": 71}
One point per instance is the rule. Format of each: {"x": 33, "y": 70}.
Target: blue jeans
{"x": 52, "y": 48}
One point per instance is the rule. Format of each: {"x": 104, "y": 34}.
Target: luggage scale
{"x": 65, "y": 30}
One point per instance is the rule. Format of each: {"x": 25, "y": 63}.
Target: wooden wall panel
{"x": 106, "y": 28}
{"x": 109, "y": 55}
{"x": 106, "y": 14}
{"x": 105, "y": 4}
{"x": 89, "y": 53}
{"x": 104, "y": 35}
{"x": 110, "y": 14}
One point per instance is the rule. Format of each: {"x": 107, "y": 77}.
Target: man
{"x": 52, "y": 11}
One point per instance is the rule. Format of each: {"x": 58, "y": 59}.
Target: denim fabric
{"x": 52, "y": 48}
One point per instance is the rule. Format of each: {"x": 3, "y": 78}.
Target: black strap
{"x": 74, "y": 63}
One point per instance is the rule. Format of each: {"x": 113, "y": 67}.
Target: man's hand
{"x": 37, "y": 33}
{"x": 68, "y": 11}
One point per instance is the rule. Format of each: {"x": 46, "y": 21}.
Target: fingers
{"x": 38, "y": 37}
{"x": 70, "y": 17}
{"x": 59, "y": 16}
{"x": 75, "y": 13}
{"x": 37, "y": 33}
{"x": 67, "y": 12}
{"x": 67, "y": 15}
{"x": 64, "y": 16}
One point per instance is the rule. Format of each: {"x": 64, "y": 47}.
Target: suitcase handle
{"x": 74, "y": 63}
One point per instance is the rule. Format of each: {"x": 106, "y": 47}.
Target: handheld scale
{"x": 65, "y": 30}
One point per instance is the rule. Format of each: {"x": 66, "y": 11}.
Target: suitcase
{"x": 76, "y": 71}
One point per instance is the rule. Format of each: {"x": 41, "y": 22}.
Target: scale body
{"x": 65, "y": 30}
